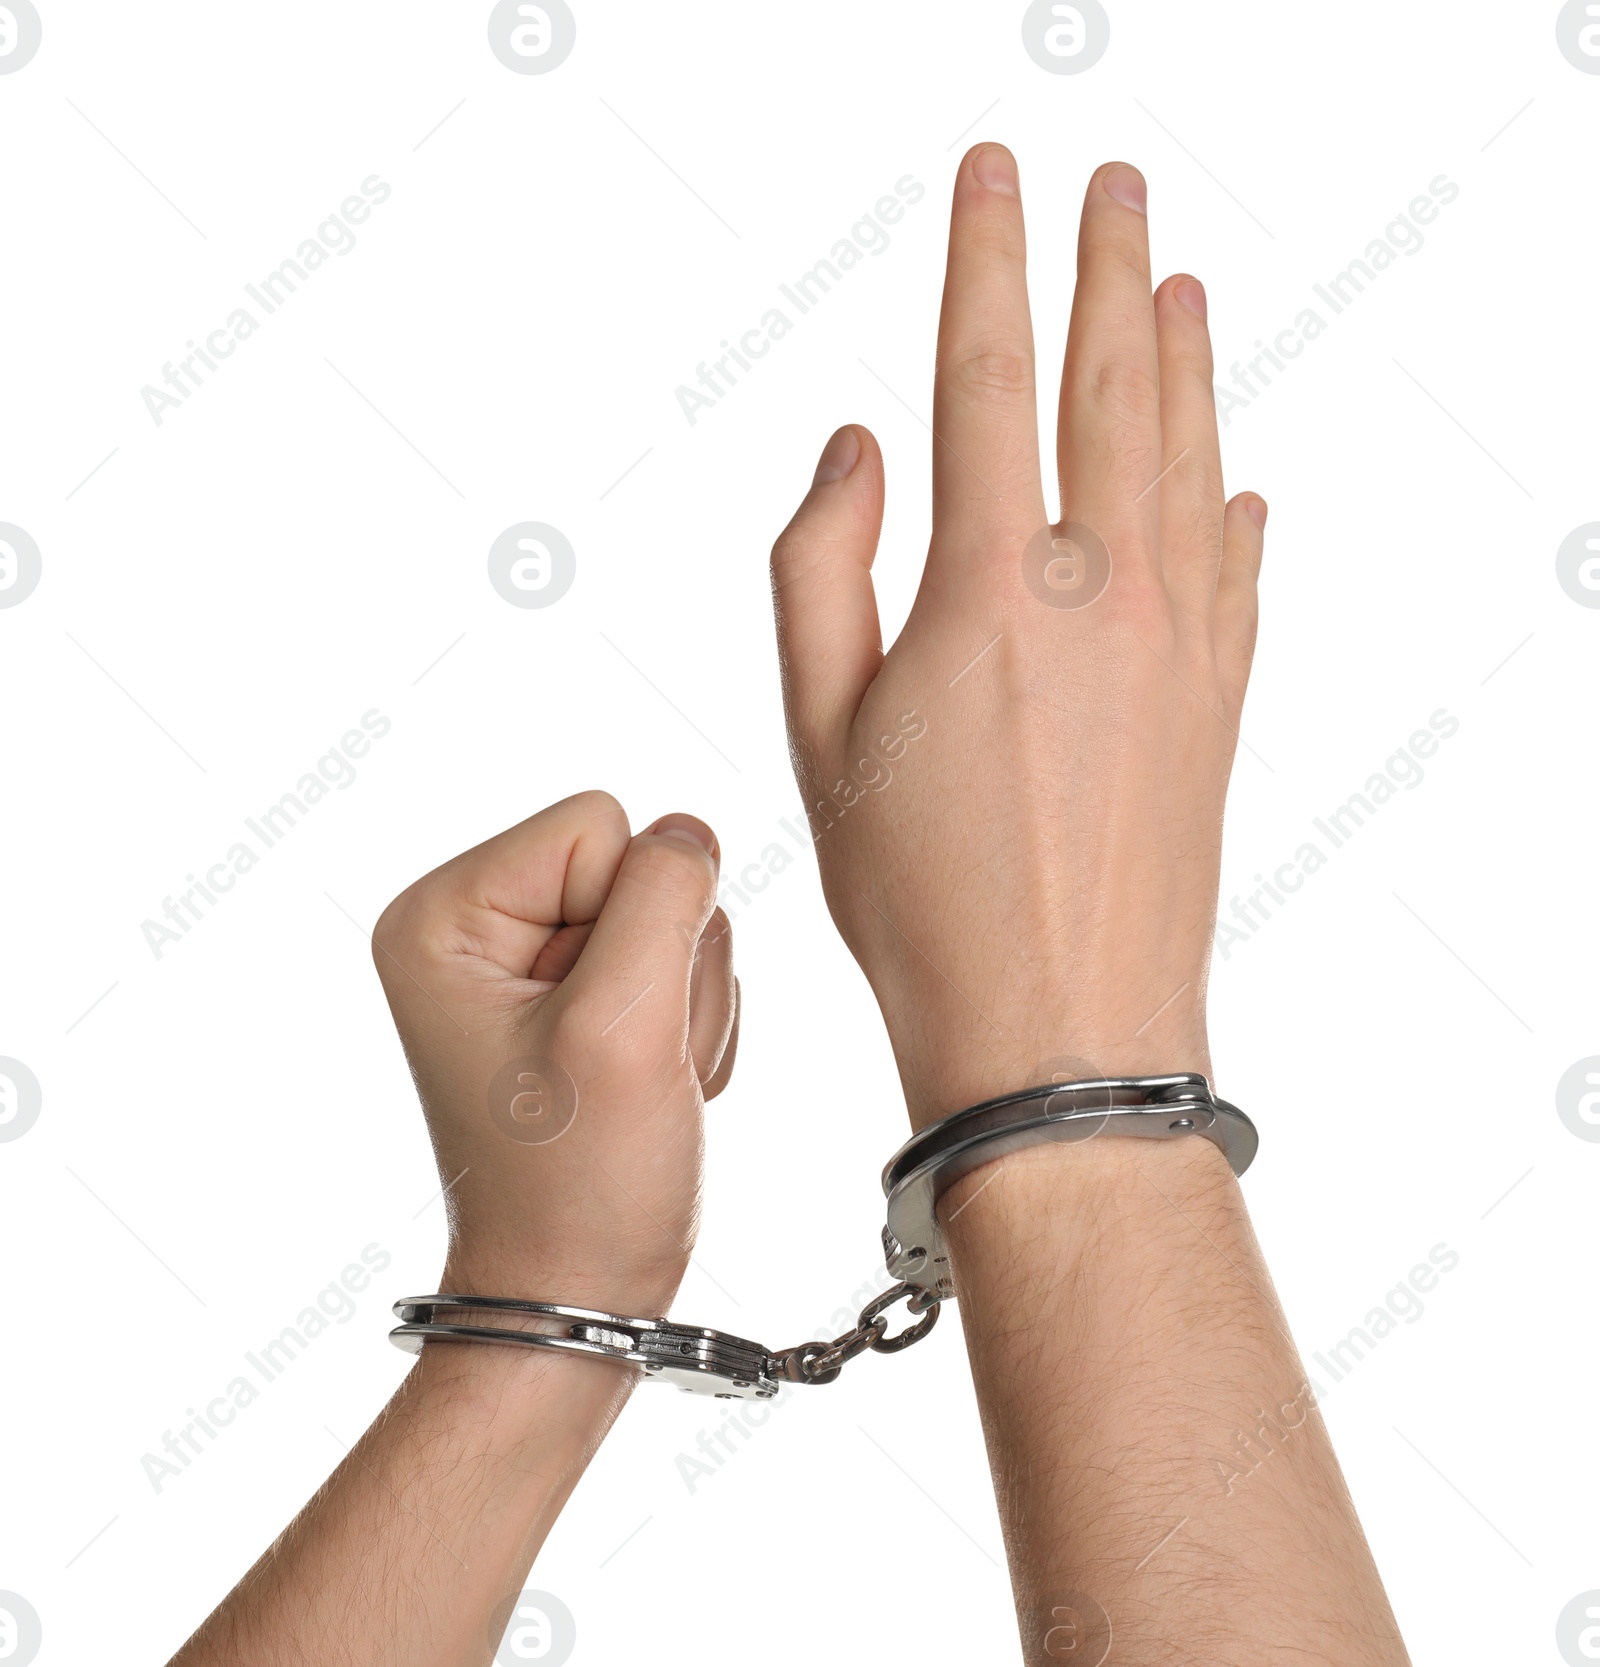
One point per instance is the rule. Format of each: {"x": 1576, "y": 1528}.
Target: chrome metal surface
{"x": 932, "y": 1161}
{"x": 695, "y": 1358}
{"x": 708, "y": 1362}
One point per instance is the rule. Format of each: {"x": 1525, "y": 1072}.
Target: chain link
{"x": 822, "y": 1362}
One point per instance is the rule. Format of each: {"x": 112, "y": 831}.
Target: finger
{"x": 1108, "y": 436}
{"x": 1191, "y": 486}
{"x": 630, "y": 988}
{"x": 829, "y": 647}
{"x": 985, "y": 422}
{"x": 712, "y": 1086}
{"x": 1235, "y": 610}
{"x": 560, "y": 954}
{"x": 507, "y": 898}
{"x": 711, "y": 997}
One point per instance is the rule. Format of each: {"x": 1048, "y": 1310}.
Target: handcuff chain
{"x": 818, "y": 1363}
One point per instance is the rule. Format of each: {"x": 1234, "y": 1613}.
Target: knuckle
{"x": 595, "y": 804}
{"x": 1193, "y": 365}
{"x": 797, "y": 555}
{"x": 1125, "y": 258}
{"x": 659, "y": 865}
{"x": 604, "y": 1035}
{"x": 573, "y": 1027}
{"x": 993, "y": 240}
{"x": 1124, "y": 390}
{"x": 402, "y": 923}
{"x": 566, "y": 1021}
{"x": 992, "y": 372}
{"x": 783, "y": 548}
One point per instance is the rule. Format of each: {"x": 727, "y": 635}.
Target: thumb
{"x": 632, "y": 981}
{"x": 828, "y": 639}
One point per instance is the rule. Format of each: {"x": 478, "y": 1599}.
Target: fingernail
{"x": 838, "y": 457}
{"x": 995, "y": 167}
{"x": 1191, "y": 292}
{"x": 1256, "y": 509}
{"x": 690, "y": 830}
{"x": 1127, "y": 186}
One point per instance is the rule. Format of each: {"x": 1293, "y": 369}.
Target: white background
{"x": 228, "y": 1125}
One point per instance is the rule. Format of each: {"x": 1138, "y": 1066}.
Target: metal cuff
{"x": 692, "y": 1357}
{"x": 1150, "y": 1108}
{"x": 695, "y": 1358}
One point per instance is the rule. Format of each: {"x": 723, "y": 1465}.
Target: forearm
{"x": 1150, "y": 1426}
{"x": 408, "y": 1555}
{"x": 510, "y": 971}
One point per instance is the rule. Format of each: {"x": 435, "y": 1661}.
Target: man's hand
{"x": 1039, "y": 878}
{"x": 566, "y": 1000}
{"x": 1018, "y": 817}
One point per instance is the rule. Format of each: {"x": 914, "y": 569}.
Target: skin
{"x": 1032, "y": 896}
{"x": 1018, "y": 816}
{"x": 566, "y": 940}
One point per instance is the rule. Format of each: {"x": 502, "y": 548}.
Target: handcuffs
{"x": 702, "y": 1361}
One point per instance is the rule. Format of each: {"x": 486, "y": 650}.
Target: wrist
{"x": 944, "y": 1075}
{"x": 1052, "y": 1213}
{"x": 642, "y": 1290}
{"x": 536, "y": 1415}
